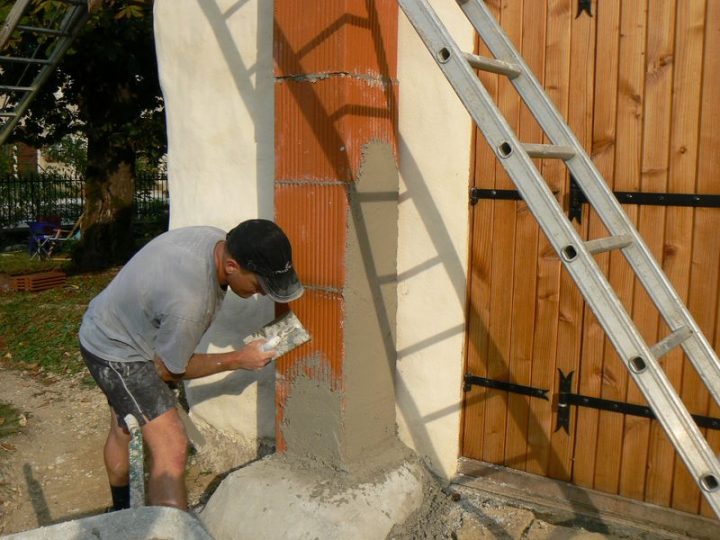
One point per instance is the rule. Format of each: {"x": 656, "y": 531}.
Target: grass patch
{"x": 9, "y": 420}
{"x": 40, "y": 328}
{"x": 18, "y": 262}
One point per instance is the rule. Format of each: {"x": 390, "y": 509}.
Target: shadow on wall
{"x": 237, "y": 319}
{"x": 227, "y": 333}
{"x": 247, "y": 90}
{"x": 419, "y": 193}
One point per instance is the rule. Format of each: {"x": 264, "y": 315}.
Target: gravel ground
{"x": 52, "y": 471}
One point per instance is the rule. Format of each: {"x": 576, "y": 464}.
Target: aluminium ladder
{"x": 576, "y": 254}
{"x": 35, "y": 69}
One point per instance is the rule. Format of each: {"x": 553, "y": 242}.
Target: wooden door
{"x": 639, "y": 84}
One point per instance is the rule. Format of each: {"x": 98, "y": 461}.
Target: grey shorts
{"x": 131, "y": 388}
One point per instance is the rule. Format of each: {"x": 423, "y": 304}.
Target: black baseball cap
{"x": 261, "y": 247}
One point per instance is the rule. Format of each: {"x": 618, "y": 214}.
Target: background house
{"x": 280, "y": 110}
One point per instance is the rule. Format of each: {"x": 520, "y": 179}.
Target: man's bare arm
{"x": 250, "y": 357}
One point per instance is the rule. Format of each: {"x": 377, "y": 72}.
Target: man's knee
{"x": 172, "y": 456}
{"x": 167, "y": 441}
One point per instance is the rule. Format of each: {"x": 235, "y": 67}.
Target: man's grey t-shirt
{"x": 160, "y": 303}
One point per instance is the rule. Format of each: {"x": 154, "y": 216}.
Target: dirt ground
{"x": 52, "y": 471}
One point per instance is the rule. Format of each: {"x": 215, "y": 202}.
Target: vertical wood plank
{"x": 477, "y": 339}
{"x": 571, "y": 309}
{"x": 481, "y": 251}
{"x": 661, "y": 454}
{"x": 589, "y": 377}
{"x": 707, "y": 220}
{"x": 523, "y": 289}
{"x": 479, "y": 401}
{"x": 627, "y": 178}
{"x": 557, "y": 69}
{"x": 690, "y": 21}
{"x": 501, "y": 283}
{"x": 656, "y": 136}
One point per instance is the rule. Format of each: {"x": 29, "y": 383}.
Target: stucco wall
{"x": 216, "y": 69}
{"x": 435, "y": 137}
{"x": 215, "y": 62}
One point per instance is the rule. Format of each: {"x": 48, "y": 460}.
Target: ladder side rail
{"x": 70, "y": 26}
{"x": 652, "y": 381}
{"x": 73, "y": 22}
{"x": 22, "y": 60}
{"x": 28, "y": 67}
{"x": 12, "y": 20}
{"x": 675, "y": 313}
{"x": 34, "y": 57}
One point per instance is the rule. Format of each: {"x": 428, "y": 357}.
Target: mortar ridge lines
{"x": 313, "y": 182}
{"x": 322, "y": 75}
{"x": 326, "y": 289}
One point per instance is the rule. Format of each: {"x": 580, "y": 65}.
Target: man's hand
{"x": 253, "y": 357}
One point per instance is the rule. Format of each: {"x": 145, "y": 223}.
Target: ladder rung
{"x": 15, "y": 88}
{"x": 549, "y": 151}
{"x": 40, "y": 30}
{"x": 492, "y": 65}
{"x": 669, "y": 342}
{"x": 20, "y": 60}
{"x": 601, "y": 245}
{"x": 8, "y": 114}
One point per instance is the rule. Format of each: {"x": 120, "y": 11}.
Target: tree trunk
{"x": 106, "y": 229}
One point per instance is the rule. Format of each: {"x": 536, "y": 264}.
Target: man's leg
{"x": 136, "y": 388}
{"x": 167, "y": 442}
{"x": 116, "y": 463}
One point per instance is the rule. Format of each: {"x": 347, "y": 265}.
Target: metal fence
{"x": 26, "y": 197}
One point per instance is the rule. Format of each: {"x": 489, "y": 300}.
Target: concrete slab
{"x": 541, "y": 530}
{"x": 506, "y": 522}
{"x": 158, "y": 523}
{"x": 473, "y": 529}
{"x": 281, "y": 498}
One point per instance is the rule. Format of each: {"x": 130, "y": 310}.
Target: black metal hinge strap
{"x": 584, "y": 6}
{"x": 503, "y": 194}
{"x": 471, "y": 380}
{"x": 566, "y": 398}
{"x": 498, "y": 194}
{"x": 577, "y": 199}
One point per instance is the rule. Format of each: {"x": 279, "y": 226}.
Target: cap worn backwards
{"x": 261, "y": 247}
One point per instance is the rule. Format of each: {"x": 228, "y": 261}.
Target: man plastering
{"x": 141, "y": 332}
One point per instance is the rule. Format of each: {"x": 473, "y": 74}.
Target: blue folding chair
{"x": 40, "y": 232}
{"x": 47, "y": 236}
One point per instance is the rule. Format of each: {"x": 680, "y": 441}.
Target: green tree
{"x": 70, "y": 151}
{"x": 106, "y": 90}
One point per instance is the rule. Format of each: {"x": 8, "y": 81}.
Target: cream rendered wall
{"x": 435, "y": 145}
{"x": 215, "y": 63}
